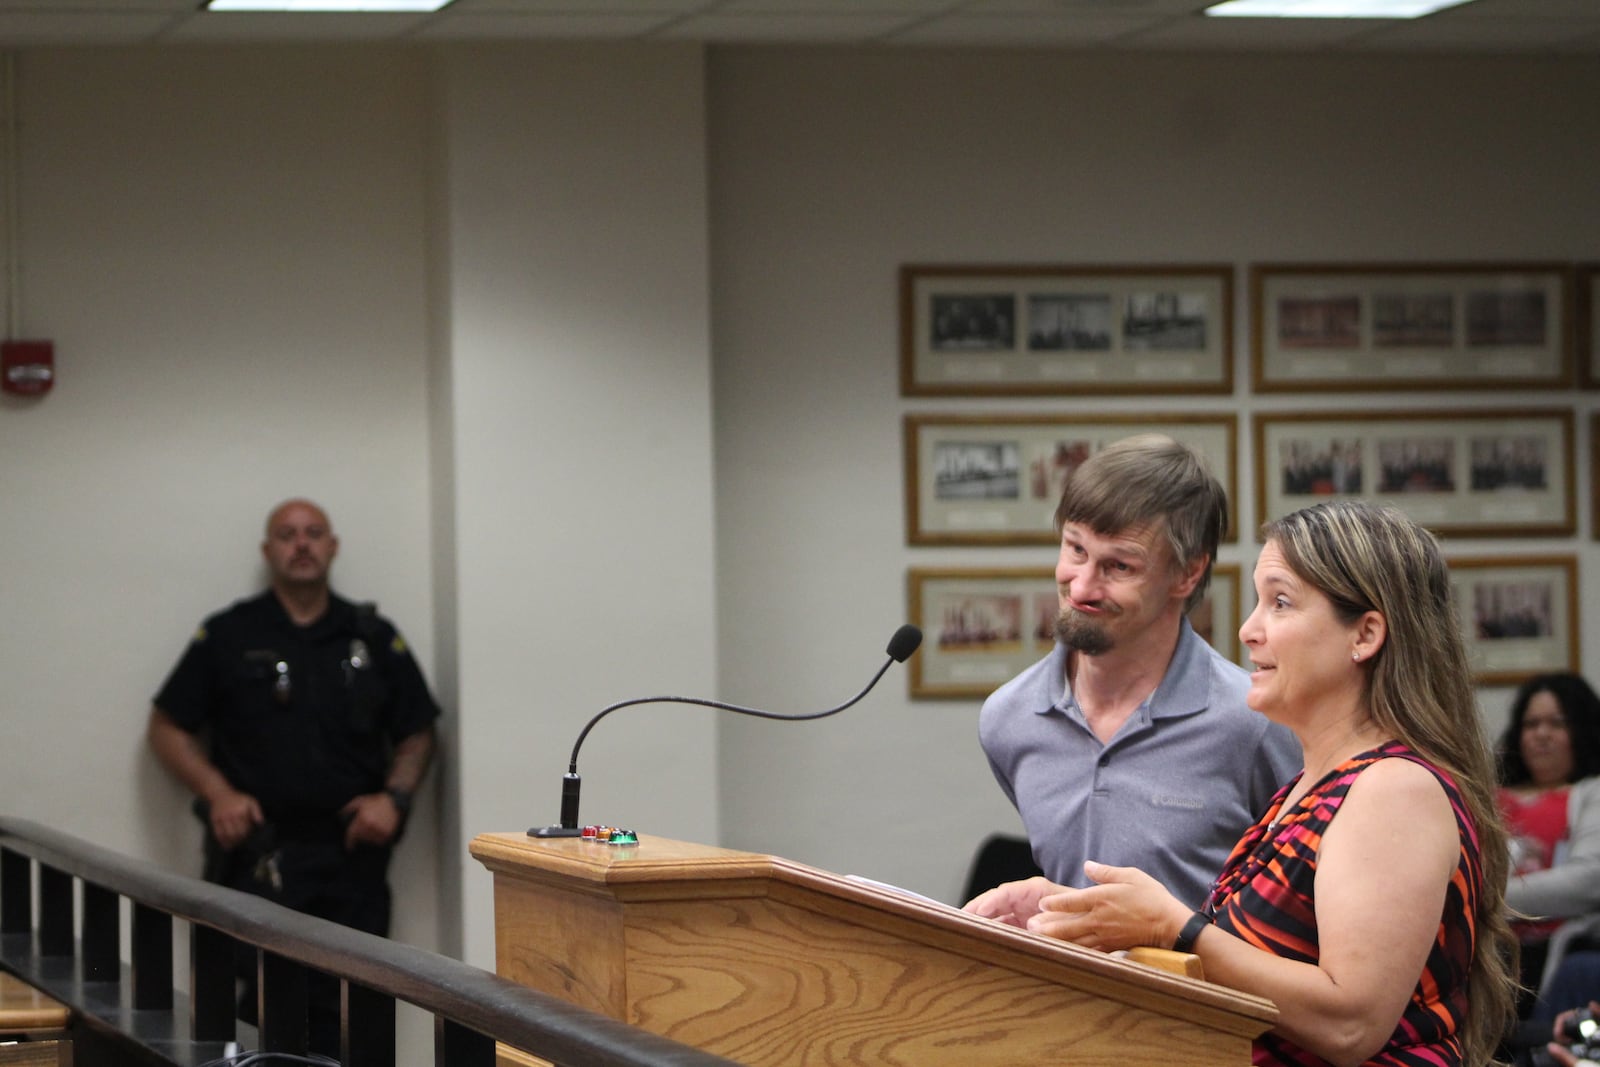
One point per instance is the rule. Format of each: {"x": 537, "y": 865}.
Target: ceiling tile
{"x": 787, "y": 27}
{"x": 1570, "y": 26}
{"x": 277, "y": 26}
{"x": 1202, "y": 33}
{"x": 818, "y": 7}
{"x": 1024, "y": 30}
{"x": 1128, "y": 8}
{"x": 96, "y": 27}
{"x": 490, "y": 26}
{"x": 1522, "y": 9}
{"x": 575, "y": 7}
{"x": 1484, "y": 34}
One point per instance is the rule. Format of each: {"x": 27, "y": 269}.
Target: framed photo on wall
{"x": 1588, "y": 323}
{"x": 1459, "y": 473}
{"x": 983, "y": 626}
{"x": 1217, "y": 618}
{"x": 1594, "y": 473}
{"x": 1065, "y": 330}
{"x": 1410, "y": 326}
{"x": 1519, "y": 615}
{"x": 996, "y": 479}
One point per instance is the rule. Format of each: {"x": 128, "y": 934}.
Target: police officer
{"x": 303, "y": 726}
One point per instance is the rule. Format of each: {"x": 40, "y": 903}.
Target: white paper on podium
{"x": 896, "y": 889}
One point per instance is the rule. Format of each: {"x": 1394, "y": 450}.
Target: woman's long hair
{"x": 1419, "y": 691}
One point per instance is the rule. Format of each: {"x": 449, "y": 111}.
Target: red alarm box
{"x": 27, "y": 368}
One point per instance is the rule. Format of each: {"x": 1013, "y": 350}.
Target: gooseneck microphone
{"x": 901, "y": 646}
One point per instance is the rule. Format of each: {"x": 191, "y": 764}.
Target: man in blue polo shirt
{"x": 1130, "y": 743}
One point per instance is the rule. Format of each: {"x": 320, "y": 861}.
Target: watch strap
{"x": 402, "y": 800}
{"x": 1191, "y": 932}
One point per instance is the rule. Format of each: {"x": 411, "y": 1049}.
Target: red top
{"x": 1536, "y": 825}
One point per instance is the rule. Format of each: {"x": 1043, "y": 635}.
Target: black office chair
{"x": 1001, "y": 858}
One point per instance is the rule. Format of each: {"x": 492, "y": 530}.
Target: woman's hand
{"x": 1124, "y": 909}
{"x": 1013, "y": 903}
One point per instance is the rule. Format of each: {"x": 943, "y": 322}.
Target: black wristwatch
{"x": 1191, "y": 932}
{"x": 402, "y": 801}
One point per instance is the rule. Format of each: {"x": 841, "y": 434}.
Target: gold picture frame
{"x": 1065, "y": 330}
{"x": 985, "y": 625}
{"x": 996, "y": 479}
{"x": 1587, "y": 323}
{"x": 1478, "y": 473}
{"x": 1519, "y": 615}
{"x": 1392, "y": 326}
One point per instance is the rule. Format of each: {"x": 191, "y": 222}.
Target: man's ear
{"x": 1191, "y": 577}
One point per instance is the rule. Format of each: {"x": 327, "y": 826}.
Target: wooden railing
{"x": 129, "y": 1012}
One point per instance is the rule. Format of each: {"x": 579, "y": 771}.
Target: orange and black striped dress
{"x": 1266, "y": 895}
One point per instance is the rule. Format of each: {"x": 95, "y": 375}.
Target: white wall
{"x": 831, "y": 168}
{"x": 226, "y": 247}
{"x": 579, "y": 355}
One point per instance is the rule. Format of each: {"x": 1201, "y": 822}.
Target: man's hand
{"x": 371, "y": 819}
{"x": 1013, "y": 903}
{"x": 1125, "y": 908}
{"x": 233, "y": 815}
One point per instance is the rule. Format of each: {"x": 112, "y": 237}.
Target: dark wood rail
{"x": 129, "y": 1012}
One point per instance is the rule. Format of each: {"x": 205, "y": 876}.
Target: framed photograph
{"x": 1594, "y": 473}
{"x": 984, "y": 626}
{"x": 996, "y": 479}
{"x": 1065, "y": 331}
{"x": 1218, "y": 617}
{"x": 981, "y": 627}
{"x": 1588, "y": 323}
{"x": 1519, "y": 615}
{"x": 1410, "y": 326}
{"x": 1459, "y": 473}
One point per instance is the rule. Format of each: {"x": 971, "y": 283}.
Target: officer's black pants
{"x": 322, "y": 879}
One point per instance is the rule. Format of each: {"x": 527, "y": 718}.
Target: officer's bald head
{"x": 279, "y": 513}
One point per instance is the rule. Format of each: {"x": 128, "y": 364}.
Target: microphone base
{"x": 555, "y": 831}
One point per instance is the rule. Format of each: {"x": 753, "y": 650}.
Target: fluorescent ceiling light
{"x": 325, "y": 5}
{"x": 1330, "y": 9}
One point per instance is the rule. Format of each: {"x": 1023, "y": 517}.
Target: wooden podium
{"x": 765, "y": 961}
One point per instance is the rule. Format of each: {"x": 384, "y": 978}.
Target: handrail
{"x": 493, "y": 1006}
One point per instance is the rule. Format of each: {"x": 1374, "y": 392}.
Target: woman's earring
{"x": 1356, "y": 656}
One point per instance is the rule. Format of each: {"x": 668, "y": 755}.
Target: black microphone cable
{"x": 904, "y": 642}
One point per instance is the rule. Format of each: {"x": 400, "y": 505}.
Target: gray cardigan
{"x": 1572, "y": 887}
{"x": 1569, "y": 890}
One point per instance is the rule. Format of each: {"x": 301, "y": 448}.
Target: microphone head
{"x": 904, "y": 642}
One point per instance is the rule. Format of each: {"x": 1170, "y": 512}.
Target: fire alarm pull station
{"x": 27, "y": 368}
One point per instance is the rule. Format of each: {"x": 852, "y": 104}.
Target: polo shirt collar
{"x": 1184, "y": 689}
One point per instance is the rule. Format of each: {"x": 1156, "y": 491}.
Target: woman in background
{"x": 1549, "y": 763}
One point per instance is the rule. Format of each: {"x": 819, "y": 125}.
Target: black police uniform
{"x": 303, "y": 718}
